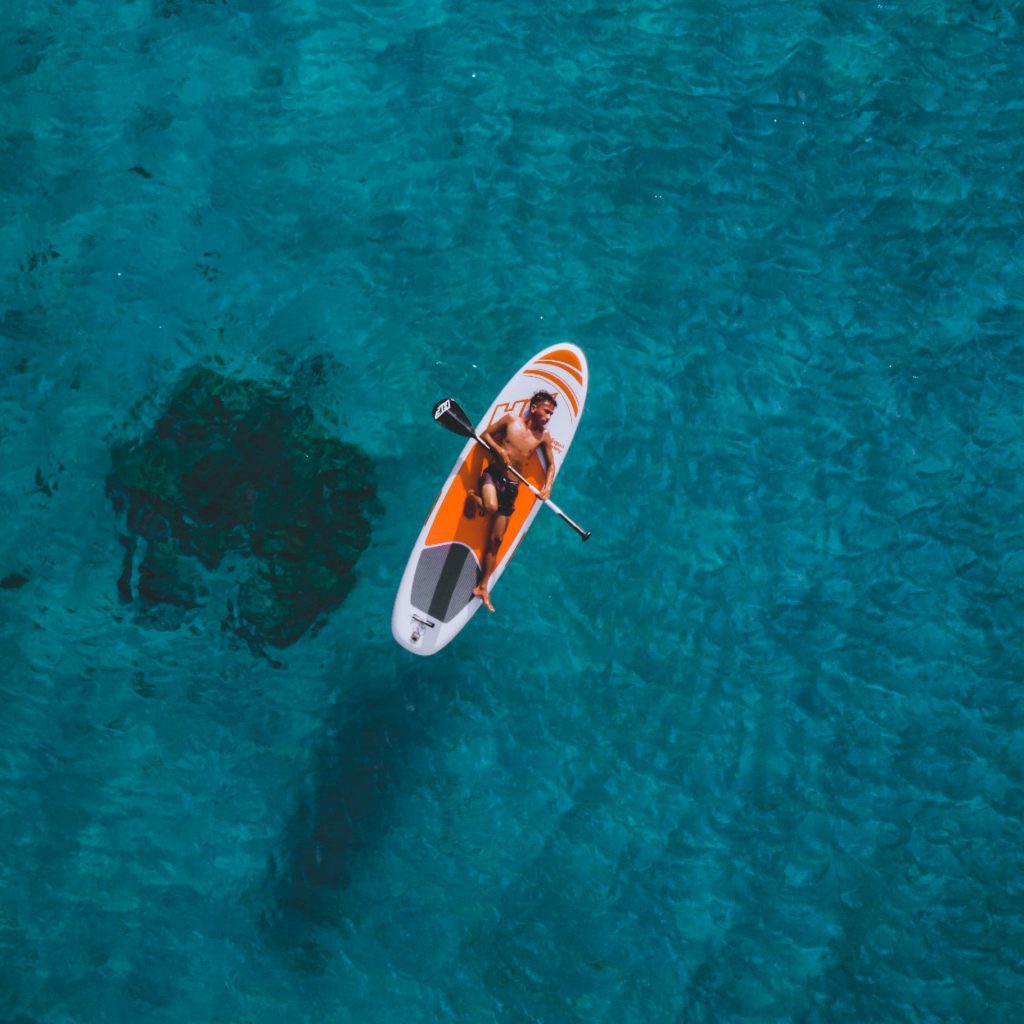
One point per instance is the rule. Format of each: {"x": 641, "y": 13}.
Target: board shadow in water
{"x": 345, "y": 814}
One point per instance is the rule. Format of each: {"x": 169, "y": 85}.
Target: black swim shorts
{"x": 507, "y": 488}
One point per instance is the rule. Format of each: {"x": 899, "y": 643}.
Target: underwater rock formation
{"x": 232, "y": 466}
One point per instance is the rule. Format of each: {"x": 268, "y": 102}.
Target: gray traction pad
{"x": 444, "y": 580}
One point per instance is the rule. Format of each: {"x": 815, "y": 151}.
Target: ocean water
{"x": 754, "y": 752}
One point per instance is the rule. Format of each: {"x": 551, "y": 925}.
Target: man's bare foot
{"x": 474, "y": 505}
{"x": 484, "y": 594}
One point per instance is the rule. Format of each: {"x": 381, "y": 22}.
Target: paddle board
{"x": 435, "y": 600}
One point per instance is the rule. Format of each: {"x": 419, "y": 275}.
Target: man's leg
{"x": 482, "y": 590}
{"x": 484, "y": 500}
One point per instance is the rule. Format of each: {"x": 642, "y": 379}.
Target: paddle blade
{"x": 452, "y": 417}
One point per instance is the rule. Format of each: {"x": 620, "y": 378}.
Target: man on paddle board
{"x": 512, "y": 440}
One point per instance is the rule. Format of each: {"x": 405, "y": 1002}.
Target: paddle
{"x": 451, "y": 416}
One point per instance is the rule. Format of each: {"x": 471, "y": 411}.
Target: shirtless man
{"x": 513, "y": 440}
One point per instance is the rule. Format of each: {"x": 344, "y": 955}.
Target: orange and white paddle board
{"x": 435, "y": 599}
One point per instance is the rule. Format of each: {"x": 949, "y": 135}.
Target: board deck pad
{"x": 435, "y": 599}
{"x": 445, "y": 577}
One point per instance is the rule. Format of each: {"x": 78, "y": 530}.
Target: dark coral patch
{"x": 233, "y": 467}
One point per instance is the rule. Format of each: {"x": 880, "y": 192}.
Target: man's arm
{"x": 549, "y": 454}
{"x": 494, "y": 435}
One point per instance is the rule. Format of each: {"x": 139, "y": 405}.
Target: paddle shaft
{"x": 584, "y": 534}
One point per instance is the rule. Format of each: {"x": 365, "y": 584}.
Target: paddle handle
{"x": 584, "y": 534}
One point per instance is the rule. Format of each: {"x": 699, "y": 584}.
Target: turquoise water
{"x": 754, "y": 752}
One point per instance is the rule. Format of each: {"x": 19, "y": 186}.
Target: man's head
{"x": 542, "y": 407}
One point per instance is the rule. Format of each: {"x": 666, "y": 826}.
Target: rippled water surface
{"x": 754, "y": 753}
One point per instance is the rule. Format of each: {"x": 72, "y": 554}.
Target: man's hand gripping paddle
{"x": 451, "y": 416}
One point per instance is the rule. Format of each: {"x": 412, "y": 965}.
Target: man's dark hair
{"x": 543, "y": 396}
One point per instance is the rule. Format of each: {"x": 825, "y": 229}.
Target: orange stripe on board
{"x": 560, "y": 384}
{"x": 565, "y": 355}
{"x": 562, "y": 366}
